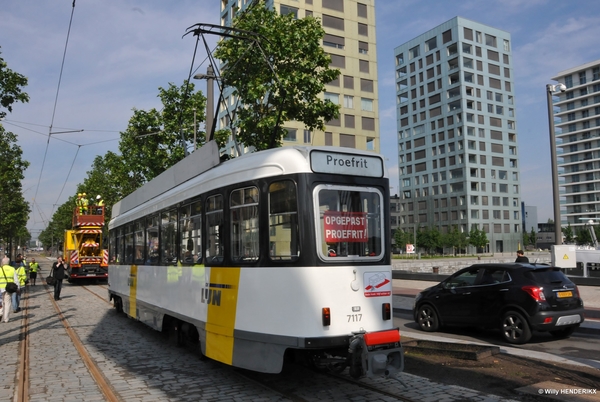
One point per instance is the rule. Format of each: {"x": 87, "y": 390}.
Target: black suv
{"x": 515, "y": 298}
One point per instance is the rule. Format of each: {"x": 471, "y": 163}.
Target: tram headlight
{"x": 326, "y": 315}
{"x": 386, "y": 311}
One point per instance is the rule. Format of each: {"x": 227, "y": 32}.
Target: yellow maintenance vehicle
{"x": 82, "y": 249}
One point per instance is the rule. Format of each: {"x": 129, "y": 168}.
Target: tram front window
{"x": 350, "y": 222}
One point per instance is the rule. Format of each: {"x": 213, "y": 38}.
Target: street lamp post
{"x": 210, "y": 96}
{"x": 550, "y": 90}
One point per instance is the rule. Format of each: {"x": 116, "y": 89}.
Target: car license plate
{"x": 560, "y": 295}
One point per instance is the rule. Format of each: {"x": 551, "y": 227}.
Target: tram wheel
{"x": 118, "y": 303}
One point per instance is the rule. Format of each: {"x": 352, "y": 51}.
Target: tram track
{"x": 22, "y": 389}
{"x": 104, "y": 386}
{"x": 296, "y": 381}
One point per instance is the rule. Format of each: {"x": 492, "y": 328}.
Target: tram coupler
{"x": 376, "y": 354}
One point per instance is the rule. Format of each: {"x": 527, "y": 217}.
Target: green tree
{"x": 429, "y": 238}
{"x": 568, "y": 232}
{"x": 532, "y": 237}
{"x": 156, "y": 140}
{"x": 526, "y": 240}
{"x": 478, "y": 239}
{"x": 583, "y": 236}
{"x": 277, "y": 76}
{"x": 14, "y": 210}
{"x": 11, "y": 84}
{"x": 402, "y": 238}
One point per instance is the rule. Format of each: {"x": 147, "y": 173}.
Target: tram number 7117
{"x": 354, "y": 317}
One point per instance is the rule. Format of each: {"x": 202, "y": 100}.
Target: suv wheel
{"x": 515, "y": 328}
{"x": 563, "y": 333}
{"x": 427, "y": 318}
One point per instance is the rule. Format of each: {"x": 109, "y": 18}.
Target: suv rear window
{"x": 547, "y": 276}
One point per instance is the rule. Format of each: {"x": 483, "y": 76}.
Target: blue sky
{"x": 119, "y": 53}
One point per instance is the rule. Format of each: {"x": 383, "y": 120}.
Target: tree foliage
{"x": 403, "y": 238}
{"x": 429, "y": 238}
{"x": 568, "y": 232}
{"x": 277, "y": 76}
{"x": 11, "y": 84}
{"x": 157, "y": 139}
{"x": 478, "y": 238}
{"x": 14, "y": 210}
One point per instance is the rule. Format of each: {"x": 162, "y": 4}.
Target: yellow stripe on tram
{"x": 133, "y": 291}
{"x": 221, "y": 295}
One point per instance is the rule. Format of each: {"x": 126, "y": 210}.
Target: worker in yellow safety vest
{"x": 33, "y": 270}
{"x": 8, "y": 275}
{"x": 79, "y": 203}
{"x": 99, "y": 204}
{"x": 84, "y": 203}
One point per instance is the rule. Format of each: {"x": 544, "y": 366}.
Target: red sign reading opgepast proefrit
{"x": 348, "y": 227}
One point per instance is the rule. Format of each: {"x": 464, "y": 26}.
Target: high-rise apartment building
{"x": 350, "y": 41}
{"x": 457, "y": 132}
{"x": 578, "y": 147}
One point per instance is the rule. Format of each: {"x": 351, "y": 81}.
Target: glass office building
{"x": 577, "y": 129}
{"x": 457, "y": 133}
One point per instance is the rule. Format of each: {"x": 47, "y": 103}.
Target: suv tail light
{"x": 536, "y": 292}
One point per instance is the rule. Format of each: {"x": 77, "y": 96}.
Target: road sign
{"x": 410, "y": 249}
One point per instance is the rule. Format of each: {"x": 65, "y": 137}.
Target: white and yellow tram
{"x": 278, "y": 253}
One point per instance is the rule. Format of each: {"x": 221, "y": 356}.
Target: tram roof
{"x": 202, "y": 171}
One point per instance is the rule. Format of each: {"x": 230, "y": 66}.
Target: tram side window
{"x": 138, "y": 242}
{"x": 152, "y": 247}
{"x": 350, "y": 221}
{"x": 129, "y": 244}
{"x": 214, "y": 229}
{"x": 168, "y": 237}
{"x": 117, "y": 252}
{"x": 244, "y": 224}
{"x": 283, "y": 221}
{"x": 190, "y": 227}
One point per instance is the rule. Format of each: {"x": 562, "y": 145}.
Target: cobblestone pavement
{"x": 140, "y": 366}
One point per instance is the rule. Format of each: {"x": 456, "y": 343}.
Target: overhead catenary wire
{"x": 55, "y": 104}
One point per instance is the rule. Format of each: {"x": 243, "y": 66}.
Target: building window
{"x": 328, "y": 138}
{"x": 370, "y": 144}
{"x": 447, "y": 36}
{"x": 349, "y": 120}
{"x": 363, "y": 47}
{"x": 363, "y": 66}
{"x": 368, "y": 123}
{"x": 307, "y": 136}
{"x": 366, "y": 104}
{"x": 285, "y": 10}
{"x": 430, "y": 44}
{"x": 363, "y": 29}
{"x": 291, "y": 134}
{"x": 347, "y": 140}
{"x": 337, "y": 5}
{"x": 414, "y": 52}
{"x": 333, "y": 22}
{"x": 366, "y": 85}
{"x": 361, "y": 10}
{"x": 569, "y": 81}
{"x": 490, "y": 40}
{"x": 349, "y": 101}
{"x": 334, "y": 41}
{"x": 333, "y": 98}
{"x": 338, "y": 61}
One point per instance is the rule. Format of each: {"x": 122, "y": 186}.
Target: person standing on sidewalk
{"x": 58, "y": 271}
{"x": 9, "y": 274}
{"x": 22, "y": 275}
{"x": 33, "y": 270}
